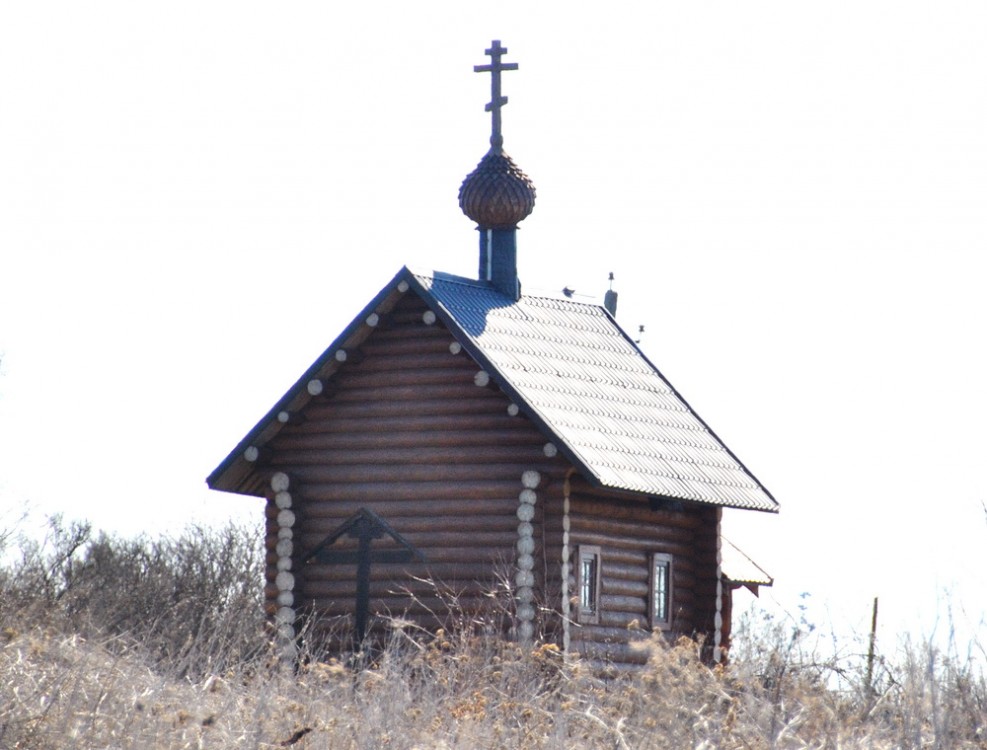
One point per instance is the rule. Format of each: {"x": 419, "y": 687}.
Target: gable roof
{"x": 577, "y": 375}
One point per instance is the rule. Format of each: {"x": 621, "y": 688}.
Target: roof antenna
{"x": 610, "y": 299}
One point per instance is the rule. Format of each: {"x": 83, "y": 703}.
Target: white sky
{"x": 195, "y": 198}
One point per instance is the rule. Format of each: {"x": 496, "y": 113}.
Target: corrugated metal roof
{"x": 739, "y": 568}
{"x": 606, "y": 406}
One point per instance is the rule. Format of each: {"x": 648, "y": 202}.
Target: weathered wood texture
{"x": 407, "y": 434}
{"x": 628, "y": 532}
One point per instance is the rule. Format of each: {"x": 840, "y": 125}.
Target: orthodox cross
{"x": 364, "y": 526}
{"x": 496, "y": 100}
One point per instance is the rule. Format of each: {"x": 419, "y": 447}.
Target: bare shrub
{"x": 160, "y": 644}
{"x": 193, "y": 602}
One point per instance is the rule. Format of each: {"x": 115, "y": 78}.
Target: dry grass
{"x": 91, "y": 687}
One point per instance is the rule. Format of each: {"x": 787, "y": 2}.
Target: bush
{"x": 162, "y": 643}
{"x": 194, "y": 603}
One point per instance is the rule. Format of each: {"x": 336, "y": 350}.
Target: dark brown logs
{"x": 408, "y": 455}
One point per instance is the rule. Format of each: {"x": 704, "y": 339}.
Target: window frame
{"x": 590, "y": 614}
{"x": 663, "y": 560}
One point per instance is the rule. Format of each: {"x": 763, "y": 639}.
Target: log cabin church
{"x": 462, "y": 434}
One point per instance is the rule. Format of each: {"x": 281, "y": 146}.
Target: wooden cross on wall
{"x": 364, "y": 526}
{"x": 496, "y": 100}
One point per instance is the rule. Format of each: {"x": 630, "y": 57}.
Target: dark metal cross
{"x": 365, "y": 526}
{"x": 496, "y": 100}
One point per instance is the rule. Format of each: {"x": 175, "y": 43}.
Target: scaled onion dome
{"x": 497, "y": 194}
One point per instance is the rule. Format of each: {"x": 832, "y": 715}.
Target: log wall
{"x": 404, "y": 430}
{"x": 628, "y": 532}
{"x": 408, "y": 434}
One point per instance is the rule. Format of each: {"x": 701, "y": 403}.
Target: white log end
{"x": 526, "y": 546}
{"x": 284, "y": 563}
{"x": 524, "y": 578}
{"x": 455, "y": 347}
{"x": 531, "y": 479}
{"x": 373, "y": 320}
{"x": 525, "y": 513}
{"x": 428, "y": 317}
{"x": 526, "y": 562}
{"x": 285, "y": 533}
{"x": 550, "y": 450}
{"x": 482, "y": 379}
{"x": 286, "y": 599}
{"x": 315, "y": 387}
{"x": 341, "y": 355}
{"x": 528, "y": 497}
{"x": 403, "y": 287}
{"x": 286, "y": 519}
{"x": 252, "y": 453}
{"x": 280, "y": 482}
{"x": 284, "y": 547}
{"x": 283, "y": 500}
{"x": 285, "y": 581}
{"x": 513, "y": 410}
{"x": 287, "y": 632}
{"x": 525, "y": 529}
{"x": 525, "y": 612}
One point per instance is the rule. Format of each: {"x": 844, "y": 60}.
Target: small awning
{"x": 739, "y": 570}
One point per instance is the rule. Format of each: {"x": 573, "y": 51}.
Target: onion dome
{"x": 497, "y": 194}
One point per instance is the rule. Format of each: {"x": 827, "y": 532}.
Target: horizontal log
{"x": 399, "y": 401}
{"x": 474, "y": 512}
{"x": 389, "y": 362}
{"x": 399, "y": 343}
{"x": 324, "y": 474}
{"x": 630, "y": 529}
{"x": 386, "y": 424}
{"x": 623, "y": 587}
{"x": 368, "y": 492}
{"x": 635, "y": 606}
{"x": 632, "y": 543}
{"x": 619, "y": 620}
{"x": 308, "y": 449}
{"x": 621, "y": 510}
{"x": 608, "y": 655}
{"x": 447, "y": 519}
{"x": 429, "y": 614}
{"x": 407, "y": 329}
{"x": 290, "y": 460}
{"x": 634, "y": 557}
{"x": 478, "y": 544}
{"x": 486, "y": 574}
{"x": 359, "y": 379}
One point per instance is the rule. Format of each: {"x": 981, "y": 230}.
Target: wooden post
{"x": 870, "y": 649}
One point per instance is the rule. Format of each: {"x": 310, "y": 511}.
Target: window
{"x": 661, "y": 591}
{"x": 588, "y": 583}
